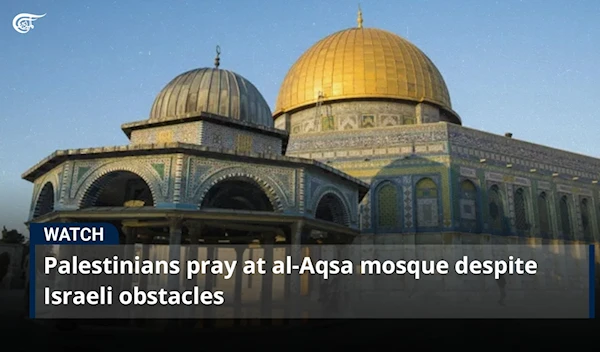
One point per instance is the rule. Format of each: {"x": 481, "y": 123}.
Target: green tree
{"x": 11, "y": 236}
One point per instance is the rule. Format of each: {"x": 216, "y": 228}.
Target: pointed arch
{"x": 92, "y": 180}
{"x": 45, "y": 201}
{"x": 116, "y": 187}
{"x": 386, "y": 195}
{"x": 522, "y": 224}
{"x": 427, "y": 204}
{"x": 331, "y": 207}
{"x": 586, "y": 220}
{"x": 237, "y": 193}
{"x": 497, "y": 217}
{"x": 566, "y": 226}
{"x": 544, "y": 215}
{"x": 469, "y": 209}
{"x": 269, "y": 186}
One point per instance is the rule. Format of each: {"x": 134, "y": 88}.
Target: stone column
{"x": 194, "y": 232}
{"x": 175, "y": 227}
{"x": 128, "y": 254}
{"x": 61, "y": 252}
{"x": 174, "y": 250}
{"x": 66, "y": 252}
{"x": 209, "y": 283}
{"x": 239, "y": 252}
{"x": 130, "y": 234}
{"x": 341, "y": 281}
{"x": 143, "y": 279}
{"x": 294, "y": 284}
{"x": 266, "y": 292}
{"x": 315, "y": 280}
{"x": 146, "y": 244}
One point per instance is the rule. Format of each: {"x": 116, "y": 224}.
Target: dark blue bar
{"x": 39, "y": 234}
{"x": 592, "y": 281}
{"x": 31, "y": 280}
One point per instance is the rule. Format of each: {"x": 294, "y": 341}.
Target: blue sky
{"x": 529, "y": 67}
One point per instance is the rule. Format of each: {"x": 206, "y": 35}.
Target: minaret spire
{"x": 360, "y": 18}
{"x": 218, "y": 59}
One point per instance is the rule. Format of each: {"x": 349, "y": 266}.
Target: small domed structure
{"x": 214, "y": 91}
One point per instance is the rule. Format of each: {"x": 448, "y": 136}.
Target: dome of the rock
{"x": 363, "y": 63}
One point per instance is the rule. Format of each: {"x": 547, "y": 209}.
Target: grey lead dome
{"x": 214, "y": 91}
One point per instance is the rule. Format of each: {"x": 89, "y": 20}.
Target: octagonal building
{"x": 207, "y": 165}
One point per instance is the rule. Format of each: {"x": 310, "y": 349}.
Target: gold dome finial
{"x": 218, "y": 59}
{"x": 359, "y": 19}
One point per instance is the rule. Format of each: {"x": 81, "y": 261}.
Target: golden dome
{"x": 362, "y": 63}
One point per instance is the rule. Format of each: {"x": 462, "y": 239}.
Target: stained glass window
{"x": 496, "y": 208}
{"x": 585, "y": 220}
{"x": 543, "y": 214}
{"x": 468, "y": 189}
{"x": 468, "y": 206}
{"x": 388, "y": 205}
{"x": 426, "y": 188}
{"x": 427, "y": 203}
{"x": 565, "y": 216}
{"x": 520, "y": 210}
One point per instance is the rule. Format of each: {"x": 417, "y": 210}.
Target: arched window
{"x": 331, "y": 208}
{"x": 586, "y": 220}
{"x": 565, "y": 217}
{"x": 521, "y": 222}
{"x": 237, "y": 194}
{"x": 496, "y": 209}
{"x": 387, "y": 203}
{"x": 116, "y": 189}
{"x": 468, "y": 206}
{"x": 544, "y": 215}
{"x": 45, "y": 201}
{"x": 427, "y": 204}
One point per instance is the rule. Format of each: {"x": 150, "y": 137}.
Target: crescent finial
{"x": 360, "y": 17}
{"x": 218, "y": 58}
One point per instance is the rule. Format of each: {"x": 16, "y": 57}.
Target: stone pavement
{"x": 11, "y": 303}
{"x": 339, "y": 333}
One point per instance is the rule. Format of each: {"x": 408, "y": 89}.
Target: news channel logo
{"x": 23, "y": 22}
